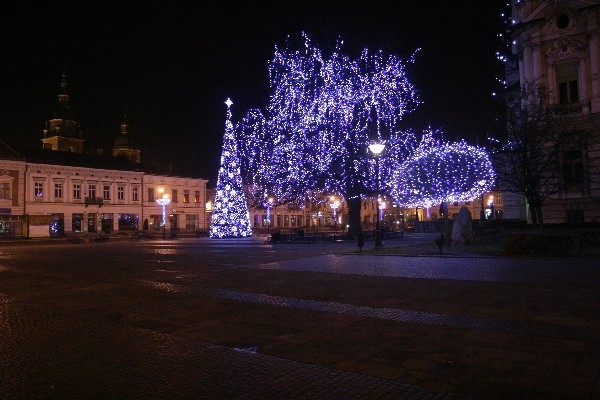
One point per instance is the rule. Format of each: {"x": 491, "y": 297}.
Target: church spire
{"x": 123, "y": 145}
{"x": 124, "y": 123}
{"x": 63, "y": 96}
{"x": 62, "y": 131}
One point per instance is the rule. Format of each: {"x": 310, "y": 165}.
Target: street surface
{"x": 243, "y": 319}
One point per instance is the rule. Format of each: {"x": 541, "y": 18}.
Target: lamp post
{"x": 164, "y": 202}
{"x": 376, "y": 149}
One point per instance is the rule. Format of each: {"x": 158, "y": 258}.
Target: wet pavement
{"x": 242, "y": 319}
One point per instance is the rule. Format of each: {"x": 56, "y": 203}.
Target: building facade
{"x": 556, "y": 44}
{"x": 61, "y": 189}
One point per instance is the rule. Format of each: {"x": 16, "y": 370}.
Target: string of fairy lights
{"x": 441, "y": 172}
{"x": 314, "y": 134}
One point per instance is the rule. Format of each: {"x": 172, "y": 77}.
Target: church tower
{"x": 62, "y": 131}
{"x": 123, "y": 146}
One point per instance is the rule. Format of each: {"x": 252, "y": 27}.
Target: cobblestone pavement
{"x": 208, "y": 319}
{"x": 52, "y": 353}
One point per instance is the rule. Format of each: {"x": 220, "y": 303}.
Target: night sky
{"x": 171, "y": 65}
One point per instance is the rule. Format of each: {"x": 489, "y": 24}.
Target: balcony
{"x": 571, "y": 109}
{"x": 99, "y": 201}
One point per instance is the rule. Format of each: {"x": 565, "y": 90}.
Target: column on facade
{"x": 595, "y": 69}
{"x": 521, "y": 71}
{"x": 537, "y": 64}
{"x": 552, "y": 88}
{"x": 583, "y": 83}
{"x": 527, "y": 67}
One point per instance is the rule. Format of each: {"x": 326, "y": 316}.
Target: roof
{"x": 54, "y": 157}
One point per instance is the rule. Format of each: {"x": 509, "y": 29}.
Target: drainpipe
{"x": 142, "y": 204}
{"x": 25, "y": 200}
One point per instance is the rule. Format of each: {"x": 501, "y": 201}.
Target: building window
{"x": 573, "y": 167}
{"x": 191, "y": 221}
{"x": 77, "y": 223}
{"x": 77, "y": 191}
{"x": 106, "y": 192}
{"x": 128, "y": 222}
{"x": 568, "y": 91}
{"x": 174, "y": 196}
{"x": 38, "y": 189}
{"x": 150, "y": 194}
{"x": 186, "y": 196}
{"x": 135, "y": 196}
{"x": 4, "y": 190}
{"x": 197, "y": 196}
{"x": 92, "y": 191}
{"x": 120, "y": 192}
{"x": 58, "y": 190}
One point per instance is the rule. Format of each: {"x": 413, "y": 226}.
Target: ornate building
{"x": 556, "y": 44}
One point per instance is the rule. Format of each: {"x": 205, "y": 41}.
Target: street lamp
{"x": 376, "y": 149}
{"x": 164, "y": 202}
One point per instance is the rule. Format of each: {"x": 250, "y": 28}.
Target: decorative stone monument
{"x": 461, "y": 231}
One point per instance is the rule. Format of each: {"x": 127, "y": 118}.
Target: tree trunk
{"x": 533, "y": 214}
{"x": 354, "y": 207}
{"x": 540, "y": 216}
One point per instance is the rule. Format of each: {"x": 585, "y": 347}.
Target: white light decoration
{"x": 322, "y": 114}
{"x": 442, "y": 172}
{"x": 164, "y": 201}
{"x": 325, "y": 111}
{"x": 230, "y": 217}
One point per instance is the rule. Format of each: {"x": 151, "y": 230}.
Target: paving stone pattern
{"x": 53, "y": 354}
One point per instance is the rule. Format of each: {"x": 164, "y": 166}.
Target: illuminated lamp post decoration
{"x": 231, "y": 217}
{"x": 268, "y": 204}
{"x": 376, "y": 149}
{"x": 382, "y": 206}
{"x": 335, "y": 204}
{"x": 164, "y": 201}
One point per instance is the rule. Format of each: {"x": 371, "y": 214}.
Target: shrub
{"x": 540, "y": 244}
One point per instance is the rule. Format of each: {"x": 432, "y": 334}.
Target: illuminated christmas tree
{"x": 230, "y": 216}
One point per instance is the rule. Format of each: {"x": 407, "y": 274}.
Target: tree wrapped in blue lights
{"x": 322, "y": 115}
{"x": 314, "y": 136}
{"x": 230, "y": 216}
{"x": 440, "y": 172}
